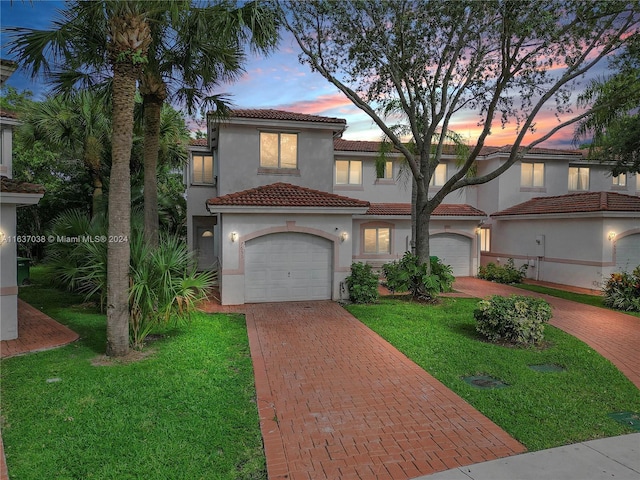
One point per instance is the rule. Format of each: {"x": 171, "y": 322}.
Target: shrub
{"x": 503, "y": 274}
{"x": 363, "y": 284}
{"x": 409, "y": 274}
{"x": 516, "y": 319}
{"x": 164, "y": 283}
{"x": 622, "y": 291}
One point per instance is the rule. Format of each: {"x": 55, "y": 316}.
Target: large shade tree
{"x": 503, "y": 62}
{"x": 612, "y": 131}
{"x": 107, "y": 38}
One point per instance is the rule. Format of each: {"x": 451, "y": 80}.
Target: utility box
{"x": 539, "y": 246}
{"x": 24, "y": 265}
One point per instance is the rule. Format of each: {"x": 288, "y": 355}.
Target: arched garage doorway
{"x": 288, "y": 266}
{"x": 454, "y": 250}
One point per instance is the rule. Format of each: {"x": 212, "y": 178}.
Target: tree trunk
{"x": 118, "y": 252}
{"x": 152, "y": 108}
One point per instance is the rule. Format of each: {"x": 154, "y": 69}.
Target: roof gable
{"x": 575, "y": 203}
{"x": 286, "y": 195}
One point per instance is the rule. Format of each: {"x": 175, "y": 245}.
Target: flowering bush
{"x": 503, "y": 274}
{"x": 622, "y": 291}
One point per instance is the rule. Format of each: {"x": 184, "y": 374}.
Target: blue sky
{"x": 279, "y": 81}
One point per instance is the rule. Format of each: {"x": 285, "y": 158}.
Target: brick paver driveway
{"x": 613, "y": 335}
{"x": 336, "y": 401}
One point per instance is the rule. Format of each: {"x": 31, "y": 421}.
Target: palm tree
{"x": 79, "y": 125}
{"x": 99, "y": 38}
{"x": 186, "y": 61}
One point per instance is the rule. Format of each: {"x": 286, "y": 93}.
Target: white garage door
{"x": 628, "y": 253}
{"x": 283, "y": 267}
{"x": 454, "y": 250}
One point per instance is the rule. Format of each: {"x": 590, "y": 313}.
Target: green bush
{"x": 164, "y": 283}
{"x": 408, "y": 274}
{"x": 622, "y": 291}
{"x": 362, "y": 283}
{"x": 516, "y": 319}
{"x": 503, "y": 274}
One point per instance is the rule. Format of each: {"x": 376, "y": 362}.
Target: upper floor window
{"x": 202, "y": 169}
{"x": 278, "y": 150}
{"x": 439, "y": 177}
{"x": 377, "y": 240}
{"x": 387, "y": 172}
{"x": 578, "y": 178}
{"x": 348, "y": 172}
{"x": 532, "y": 175}
{"x": 620, "y": 180}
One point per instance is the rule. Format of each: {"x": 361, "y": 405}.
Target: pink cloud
{"x": 321, "y": 104}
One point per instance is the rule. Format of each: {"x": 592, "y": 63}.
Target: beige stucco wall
{"x": 576, "y": 250}
{"x": 252, "y": 225}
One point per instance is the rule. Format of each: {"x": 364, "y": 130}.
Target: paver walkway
{"x": 614, "y": 335}
{"x": 337, "y": 401}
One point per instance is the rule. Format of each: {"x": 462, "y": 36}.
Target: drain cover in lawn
{"x": 484, "y": 382}
{"x": 630, "y": 419}
{"x": 547, "y": 368}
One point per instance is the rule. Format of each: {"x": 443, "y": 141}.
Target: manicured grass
{"x": 594, "y": 300}
{"x": 186, "y": 411}
{"x": 541, "y": 410}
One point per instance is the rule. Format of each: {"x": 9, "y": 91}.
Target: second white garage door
{"x": 454, "y": 250}
{"x": 628, "y": 253}
{"x": 283, "y": 267}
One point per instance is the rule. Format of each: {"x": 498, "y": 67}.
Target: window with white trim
{"x": 578, "y": 179}
{"x": 348, "y": 172}
{"x": 439, "y": 177}
{"x": 532, "y": 175}
{"x": 377, "y": 240}
{"x": 202, "y": 169}
{"x": 620, "y": 180}
{"x": 278, "y": 150}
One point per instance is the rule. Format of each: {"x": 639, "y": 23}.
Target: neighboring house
{"x": 13, "y": 194}
{"x": 282, "y": 206}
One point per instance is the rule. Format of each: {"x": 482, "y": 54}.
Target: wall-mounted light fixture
{"x": 3, "y": 237}
{"x": 207, "y": 233}
{"x": 344, "y": 236}
{"x": 233, "y": 236}
{"x": 611, "y": 236}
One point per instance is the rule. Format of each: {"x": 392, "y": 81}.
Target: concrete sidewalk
{"x": 607, "y": 458}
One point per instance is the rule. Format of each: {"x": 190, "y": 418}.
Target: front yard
{"x": 186, "y": 408}
{"x": 186, "y": 411}
{"x": 541, "y": 410}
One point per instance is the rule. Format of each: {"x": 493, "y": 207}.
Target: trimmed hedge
{"x": 362, "y": 283}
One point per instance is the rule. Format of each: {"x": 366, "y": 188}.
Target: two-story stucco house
{"x": 282, "y": 206}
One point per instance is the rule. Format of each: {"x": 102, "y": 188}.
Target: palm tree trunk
{"x": 118, "y": 252}
{"x": 152, "y": 108}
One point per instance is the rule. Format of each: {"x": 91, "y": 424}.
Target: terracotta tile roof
{"x": 8, "y": 114}
{"x": 286, "y": 195}
{"x": 575, "y": 203}
{"x": 198, "y": 142}
{"x": 340, "y": 144}
{"x": 444, "y": 209}
{"x": 271, "y": 114}
{"x": 14, "y": 186}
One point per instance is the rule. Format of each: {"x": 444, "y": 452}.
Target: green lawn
{"x": 541, "y": 410}
{"x": 187, "y": 411}
{"x": 594, "y": 300}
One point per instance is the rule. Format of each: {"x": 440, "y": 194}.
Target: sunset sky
{"x": 278, "y": 81}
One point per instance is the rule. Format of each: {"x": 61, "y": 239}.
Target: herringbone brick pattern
{"x": 337, "y": 401}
